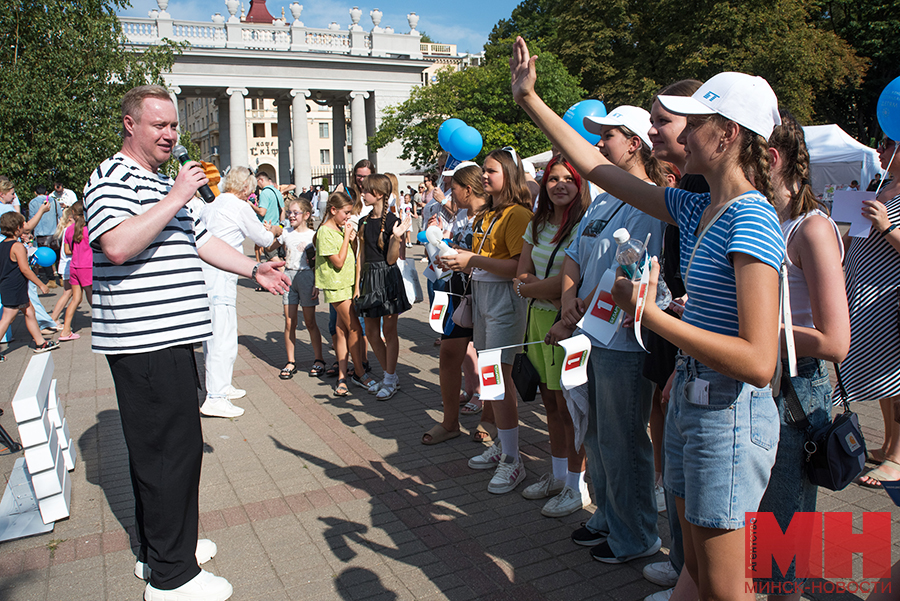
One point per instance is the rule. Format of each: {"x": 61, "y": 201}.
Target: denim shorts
{"x": 720, "y": 447}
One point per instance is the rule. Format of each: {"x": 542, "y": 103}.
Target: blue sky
{"x": 465, "y": 23}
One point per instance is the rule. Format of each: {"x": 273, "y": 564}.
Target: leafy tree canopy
{"x": 481, "y": 97}
{"x": 63, "y": 70}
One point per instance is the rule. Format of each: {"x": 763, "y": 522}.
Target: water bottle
{"x": 628, "y": 253}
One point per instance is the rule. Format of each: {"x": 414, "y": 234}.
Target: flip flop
{"x": 485, "y": 432}
{"x": 72, "y": 336}
{"x": 438, "y": 435}
{"x": 878, "y": 474}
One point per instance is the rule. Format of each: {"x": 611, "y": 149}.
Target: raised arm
{"x": 646, "y": 197}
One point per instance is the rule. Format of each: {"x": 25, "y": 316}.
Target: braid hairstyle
{"x": 788, "y": 138}
{"x": 753, "y": 157}
{"x": 378, "y": 185}
{"x": 78, "y": 216}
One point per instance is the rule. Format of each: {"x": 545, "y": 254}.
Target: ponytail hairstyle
{"x": 78, "y": 215}
{"x": 574, "y": 211}
{"x": 671, "y": 171}
{"x": 652, "y": 167}
{"x": 63, "y": 223}
{"x": 790, "y": 142}
{"x": 395, "y": 191}
{"x": 355, "y": 192}
{"x": 304, "y": 206}
{"x": 514, "y": 189}
{"x": 378, "y": 185}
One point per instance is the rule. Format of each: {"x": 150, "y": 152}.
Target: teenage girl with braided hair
{"x": 722, "y": 427}
{"x": 380, "y": 295}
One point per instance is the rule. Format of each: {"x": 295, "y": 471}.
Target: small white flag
{"x": 491, "y": 374}
{"x": 603, "y": 316}
{"x": 575, "y": 364}
{"x": 642, "y": 300}
{"x": 438, "y": 311}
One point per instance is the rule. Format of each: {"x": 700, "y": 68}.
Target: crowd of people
{"x": 715, "y": 175}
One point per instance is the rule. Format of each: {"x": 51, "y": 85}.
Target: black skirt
{"x": 381, "y": 290}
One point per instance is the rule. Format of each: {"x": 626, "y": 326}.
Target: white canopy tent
{"x": 837, "y": 158}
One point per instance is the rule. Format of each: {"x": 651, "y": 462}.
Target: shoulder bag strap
{"x": 708, "y": 227}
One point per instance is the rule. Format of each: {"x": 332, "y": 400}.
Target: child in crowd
{"x": 562, "y": 202}
{"x": 499, "y": 314}
{"x": 300, "y": 258}
{"x": 63, "y": 267}
{"x": 335, "y": 273}
{"x": 380, "y": 296}
{"x": 14, "y": 277}
{"x": 76, "y": 244}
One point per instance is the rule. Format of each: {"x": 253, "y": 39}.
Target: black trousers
{"x": 157, "y": 395}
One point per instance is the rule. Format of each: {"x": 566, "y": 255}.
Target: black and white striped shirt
{"x": 156, "y": 299}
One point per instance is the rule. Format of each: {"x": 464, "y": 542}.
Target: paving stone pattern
{"x": 312, "y": 497}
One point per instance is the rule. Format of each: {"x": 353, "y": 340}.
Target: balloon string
{"x": 888, "y": 170}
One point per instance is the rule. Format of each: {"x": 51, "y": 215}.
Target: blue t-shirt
{"x": 49, "y": 220}
{"x": 594, "y": 249}
{"x": 272, "y": 200}
{"x": 749, "y": 226}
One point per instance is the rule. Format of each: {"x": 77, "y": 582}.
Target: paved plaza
{"x": 312, "y": 497}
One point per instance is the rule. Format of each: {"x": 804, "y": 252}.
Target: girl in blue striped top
{"x": 722, "y": 426}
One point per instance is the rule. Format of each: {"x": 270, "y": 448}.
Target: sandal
{"x": 485, "y": 432}
{"x": 287, "y": 374}
{"x": 438, "y": 434}
{"x": 333, "y": 370}
{"x": 340, "y": 388}
{"x": 473, "y": 407}
{"x": 317, "y": 369}
{"x": 877, "y": 475}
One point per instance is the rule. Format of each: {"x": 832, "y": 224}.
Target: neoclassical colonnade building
{"x": 258, "y": 56}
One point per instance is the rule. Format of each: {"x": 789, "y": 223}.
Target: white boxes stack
{"x": 44, "y": 433}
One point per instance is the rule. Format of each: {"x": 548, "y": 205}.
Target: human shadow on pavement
{"x": 357, "y": 583}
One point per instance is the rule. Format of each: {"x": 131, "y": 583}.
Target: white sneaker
{"x": 206, "y": 550}
{"x": 661, "y": 595}
{"x": 661, "y": 573}
{"x": 234, "y": 394}
{"x": 488, "y": 459}
{"x": 566, "y": 503}
{"x": 508, "y": 476}
{"x": 386, "y": 391}
{"x": 202, "y": 587}
{"x": 660, "y": 498}
{"x": 547, "y": 486}
{"x": 220, "y": 407}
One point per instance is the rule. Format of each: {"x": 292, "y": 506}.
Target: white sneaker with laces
{"x": 220, "y": 407}
{"x": 661, "y": 573}
{"x": 234, "y": 394}
{"x": 508, "y": 476}
{"x": 661, "y": 595}
{"x": 547, "y": 486}
{"x": 488, "y": 459}
{"x": 202, "y": 587}
{"x": 566, "y": 503}
{"x": 206, "y": 550}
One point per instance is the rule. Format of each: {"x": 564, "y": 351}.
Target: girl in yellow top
{"x": 335, "y": 276}
{"x": 499, "y": 314}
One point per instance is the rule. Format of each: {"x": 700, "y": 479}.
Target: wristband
{"x": 890, "y": 229}
{"x": 253, "y": 273}
{"x": 519, "y": 289}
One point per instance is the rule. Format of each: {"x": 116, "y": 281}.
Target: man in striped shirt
{"x": 151, "y": 308}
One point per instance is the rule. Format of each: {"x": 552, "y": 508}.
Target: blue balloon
{"x": 889, "y": 110}
{"x": 465, "y": 143}
{"x": 446, "y": 130}
{"x": 421, "y": 237}
{"x": 574, "y": 117}
{"x": 45, "y": 257}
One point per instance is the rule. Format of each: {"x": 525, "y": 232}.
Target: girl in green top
{"x": 335, "y": 276}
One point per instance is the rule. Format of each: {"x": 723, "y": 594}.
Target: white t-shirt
{"x": 295, "y": 245}
{"x": 232, "y": 220}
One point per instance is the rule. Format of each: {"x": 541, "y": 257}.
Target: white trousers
{"x": 221, "y": 350}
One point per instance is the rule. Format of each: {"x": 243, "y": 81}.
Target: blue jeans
{"x": 619, "y": 452}
{"x": 789, "y": 488}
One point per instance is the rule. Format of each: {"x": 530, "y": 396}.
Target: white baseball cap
{"x": 747, "y": 100}
{"x": 450, "y": 172}
{"x": 634, "y": 118}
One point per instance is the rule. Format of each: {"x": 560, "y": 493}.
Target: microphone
{"x": 180, "y": 153}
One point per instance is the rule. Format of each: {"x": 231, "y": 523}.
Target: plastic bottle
{"x": 628, "y": 253}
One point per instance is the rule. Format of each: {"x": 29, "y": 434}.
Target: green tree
{"x": 626, "y": 50}
{"x": 64, "y": 66}
{"x": 532, "y": 19}
{"x": 481, "y": 97}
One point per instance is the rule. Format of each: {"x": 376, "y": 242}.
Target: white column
{"x": 302, "y": 167}
{"x": 174, "y": 91}
{"x": 358, "y": 125}
{"x": 237, "y": 127}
